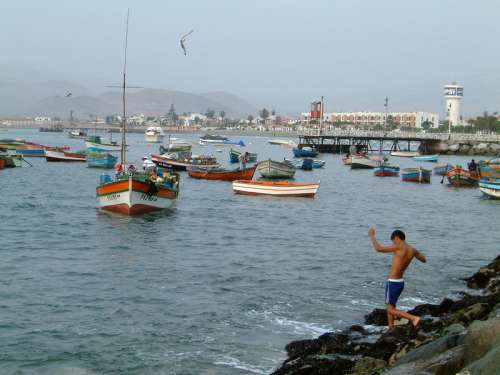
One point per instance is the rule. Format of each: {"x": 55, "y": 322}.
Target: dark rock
{"x": 481, "y": 337}
{"x": 357, "y": 328}
{"x": 368, "y": 365}
{"x": 481, "y": 278}
{"x": 392, "y": 342}
{"x": 377, "y": 317}
{"x": 316, "y": 365}
{"x": 468, "y": 315}
{"x": 433, "y": 310}
{"x": 432, "y": 348}
{"x": 302, "y": 348}
{"x": 487, "y": 365}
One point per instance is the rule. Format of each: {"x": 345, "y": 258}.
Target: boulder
{"x": 391, "y": 342}
{"x": 443, "y": 147}
{"x": 454, "y": 147}
{"x": 471, "y": 313}
{"x": 482, "y": 147}
{"x": 464, "y": 149}
{"x": 433, "y": 310}
{"x": 432, "y": 348}
{"x": 487, "y": 365}
{"x": 481, "y": 337}
{"x": 368, "y": 365}
{"x": 377, "y": 317}
{"x": 317, "y": 364}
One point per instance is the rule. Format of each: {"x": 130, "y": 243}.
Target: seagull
{"x": 68, "y": 94}
{"x": 183, "y": 39}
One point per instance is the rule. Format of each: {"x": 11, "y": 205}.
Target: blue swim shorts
{"x": 393, "y": 289}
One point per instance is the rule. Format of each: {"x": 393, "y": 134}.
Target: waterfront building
{"x": 453, "y": 94}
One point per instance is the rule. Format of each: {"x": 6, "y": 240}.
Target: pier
{"x": 341, "y": 142}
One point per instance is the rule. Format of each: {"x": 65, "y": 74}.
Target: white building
{"x": 42, "y": 119}
{"x": 453, "y": 94}
{"x": 409, "y": 119}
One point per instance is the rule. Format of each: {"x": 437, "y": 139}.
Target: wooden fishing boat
{"x": 282, "y": 142}
{"x": 305, "y": 152}
{"x": 429, "y": 158}
{"x": 133, "y": 192}
{"x": 489, "y": 169}
{"x": 101, "y": 160}
{"x": 386, "y": 170}
{"x": 362, "y": 162}
{"x": 419, "y": 175}
{"x": 459, "y": 177}
{"x": 180, "y": 161}
{"x": 490, "y": 190}
{"x": 303, "y": 163}
{"x": 234, "y": 156}
{"x": 176, "y": 146}
{"x": 405, "y": 154}
{"x": 221, "y": 174}
{"x": 51, "y": 155}
{"x": 94, "y": 143}
{"x": 275, "y": 169}
{"x": 278, "y": 188}
{"x": 441, "y": 170}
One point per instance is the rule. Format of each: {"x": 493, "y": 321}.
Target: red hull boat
{"x": 222, "y": 174}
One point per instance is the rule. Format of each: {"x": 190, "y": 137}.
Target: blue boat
{"x": 442, "y": 169}
{"x": 419, "y": 175}
{"x": 386, "y": 170}
{"x": 304, "y": 163}
{"x": 31, "y": 152}
{"x": 430, "y": 158}
{"x": 234, "y": 156}
{"x": 101, "y": 160}
{"x": 491, "y": 190}
{"x": 305, "y": 152}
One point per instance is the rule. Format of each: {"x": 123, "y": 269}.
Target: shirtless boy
{"x": 402, "y": 255}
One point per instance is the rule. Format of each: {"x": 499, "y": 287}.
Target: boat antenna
{"x": 124, "y": 119}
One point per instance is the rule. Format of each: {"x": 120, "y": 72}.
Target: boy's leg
{"x": 390, "y": 317}
{"x": 391, "y": 310}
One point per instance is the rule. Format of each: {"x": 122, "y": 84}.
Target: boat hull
{"x": 234, "y": 156}
{"x": 429, "y": 158}
{"x": 490, "y": 190}
{"x": 132, "y": 197}
{"x": 32, "y": 153}
{"x": 105, "y": 161}
{"x": 302, "y": 153}
{"x": 179, "y": 165}
{"x": 442, "y": 170}
{"x": 207, "y": 174}
{"x": 364, "y": 163}
{"x": 422, "y": 176}
{"x": 154, "y": 138}
{"x": 102, "y": 146}
{"x": 64, "y": 156}
{"x": 386, "y": 171}
{"x": 405, "y": 154}
{"x": 279, "y": 189}
{"x": 273, "y": 169}
{"x": 459, "y": 177}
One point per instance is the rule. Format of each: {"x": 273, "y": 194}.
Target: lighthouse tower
{"x": 453, "y": 94}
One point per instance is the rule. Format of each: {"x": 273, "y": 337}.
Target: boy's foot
{"x": 416, "y": 322}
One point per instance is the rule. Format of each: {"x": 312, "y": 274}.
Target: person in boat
{"x": 244, "y": 158}
{"x": 402, "y": 255}
{"x": 472, "y": 166}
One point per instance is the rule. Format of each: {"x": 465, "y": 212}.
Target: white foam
{"x": 236, "y": 363}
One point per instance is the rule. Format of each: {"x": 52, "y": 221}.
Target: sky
{"x": 274, "y": 53}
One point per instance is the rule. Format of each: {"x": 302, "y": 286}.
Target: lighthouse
{"x": 453, "y": 94}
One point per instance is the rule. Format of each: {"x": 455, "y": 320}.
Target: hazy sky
{"x": 277, "y": 53}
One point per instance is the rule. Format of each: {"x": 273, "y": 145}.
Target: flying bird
{"x": 183, "y": 39}
{"x": 68, "y": 94}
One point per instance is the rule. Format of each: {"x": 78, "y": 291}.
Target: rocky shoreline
{"x": 454, "y": 337}
{"x": 453, "y": 147}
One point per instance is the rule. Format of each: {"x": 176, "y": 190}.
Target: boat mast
{"x": 124, "y": 119}
{"x": 321, "y": 118}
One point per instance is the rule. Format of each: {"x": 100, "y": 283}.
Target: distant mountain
{"x": 31, "y": 93}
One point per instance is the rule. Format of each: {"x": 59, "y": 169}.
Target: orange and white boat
{"x": 132, "y": 192}
{"x": 60, "y": 155}
{"x": 277, "y": 188}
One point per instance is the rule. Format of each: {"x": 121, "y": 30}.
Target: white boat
{"x": 77, "y": 134}
{"x": 275, "y": 169}
{"x": 490, "y": 190}
{"x": 282, "y": 142}
{"x": 94, "y": 143}
{"x": 361, "y": 162}
{"x": 405, "y": 154}
{"x": 278, "y": 188}
{"x": 154, "y": 134}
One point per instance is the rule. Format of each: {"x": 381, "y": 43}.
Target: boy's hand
{"x": 371, "y": 233}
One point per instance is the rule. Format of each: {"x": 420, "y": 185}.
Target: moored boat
{"x": 77, "y": 134}
{"x": 459, "y": 177}
{"x": 94, "y": 143}
{"x": 154, "y": 134}
{"x": 362, "y": 162}
{"x": 441, "y": 170}
{"x": 405, "y": 154}
{"x": 282, "y": 142}
{"x": 221, "y": 174}
{"x": 305, "y": 152}
{"x": 429, "y": 158}
{"x": 386, "y": 170}
{"x": 277, "y": 188}
{"x": 101, "y": 160}
{"x": 490, "y": 190}
{"x": 59, "y": 155}
{"x": 304, "y": 163}
{"x": 176, "y": 146}
{"x": 234, "y": 156}
{"x": 419, "y": 175}
{"x": 275, "y": 169}
{"x": 180, "y": 161}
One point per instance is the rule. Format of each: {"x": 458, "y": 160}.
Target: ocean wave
{"x": 236, "y": 363}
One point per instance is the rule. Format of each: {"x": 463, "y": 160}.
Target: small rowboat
{"x": 419, "y": 175}
{"x": 306, "y": 164}
{"x": 386, "y": 170}
{"x": 281, "y": 142}
{"x": 278, "y": 188}
{"x": 234, "y": 156}
{"x": 362, "y": 162}
{"x": 490, "y": 190}
{"x": 305, "y": 152}
{"x": 101, "y": 160}
{"x": 176, "y": 146}
{"x": 221, "y": 174}
{"x": 459, "y": 177}
{"x": 430, "y": 158}
{"x": 95, "y": 144}
{"x": 405, "y": 154}
{"x": 442, "y": 169}
{"x": 77, "y": 134}
{"x": 275, "y": 169}
{"x": 181, "y": 161}
{"x": 65, "y": 156}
